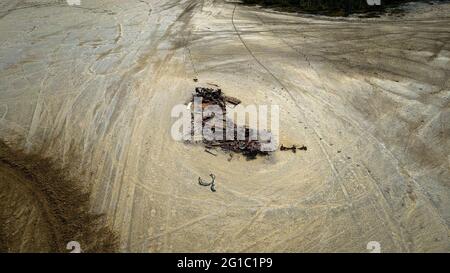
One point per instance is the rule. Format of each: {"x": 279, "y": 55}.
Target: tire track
{"x": 318, "y": 136}
{"x": 400, "y": 169}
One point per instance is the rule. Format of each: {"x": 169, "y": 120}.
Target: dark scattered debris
{"x": 293, "y": 148}
{"x": 232, "y": 100}
{"x": 248, "y": 147}
{"x": 195, "y": 80}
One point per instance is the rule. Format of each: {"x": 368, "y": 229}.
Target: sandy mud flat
{"x": 43, "y": 211}
{"x": 92, "y": 87}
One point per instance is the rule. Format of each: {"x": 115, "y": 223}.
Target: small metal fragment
{"x": 211, "y": 184}
{"x": 209, "y": 152}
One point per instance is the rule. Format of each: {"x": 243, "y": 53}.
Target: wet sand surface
{"x": 42, "y": 210}
{"x": 93, "y": 86}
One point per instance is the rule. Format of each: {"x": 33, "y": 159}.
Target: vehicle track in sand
{"x": 371, "y": 180}
{"x": 318, "y": 137}
{"x": 110, "y": 80}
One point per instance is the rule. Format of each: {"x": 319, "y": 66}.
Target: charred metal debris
{"x": 247, "y": 146}
{"x": 293, "y": 148}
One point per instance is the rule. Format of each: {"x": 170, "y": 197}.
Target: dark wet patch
{"x": 60, "y": 210}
